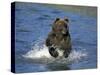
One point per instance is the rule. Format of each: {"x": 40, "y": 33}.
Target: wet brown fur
{"x": 59, "y": 37}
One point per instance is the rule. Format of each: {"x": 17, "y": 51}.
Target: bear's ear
{"x": 57, "y": 19}
{"x": 66, "y": 19}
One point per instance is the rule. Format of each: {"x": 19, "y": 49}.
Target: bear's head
{"x": 60, "y": 26}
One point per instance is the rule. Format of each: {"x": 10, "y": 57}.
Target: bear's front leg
{"x": 48, "y": 42}
{"x": 53, "y": 52}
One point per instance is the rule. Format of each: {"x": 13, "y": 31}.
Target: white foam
{"x": 76, "y": 56}
{"x": 38, "y": 53}
{"x": 42, "y": 55}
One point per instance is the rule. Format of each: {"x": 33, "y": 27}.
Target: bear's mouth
{"x": 64, "y": 32}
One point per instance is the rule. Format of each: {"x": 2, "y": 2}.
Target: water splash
{"x": 40, "y": 54}
{"x": 77, "y": 55}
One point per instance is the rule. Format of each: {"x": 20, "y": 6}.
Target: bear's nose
{"x": 59, "y": 27}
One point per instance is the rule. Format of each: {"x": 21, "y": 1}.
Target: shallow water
{"x": 33, "y": 23}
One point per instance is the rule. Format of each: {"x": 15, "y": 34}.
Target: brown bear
{"x": 59, "y": 38}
